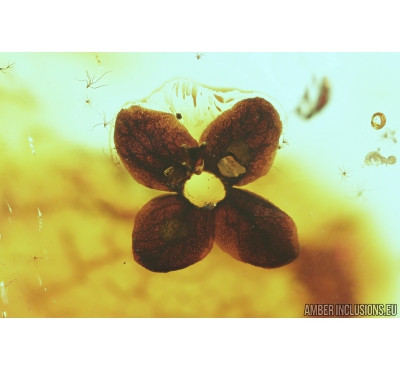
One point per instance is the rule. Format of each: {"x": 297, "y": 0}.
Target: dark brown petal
{"x": 154, "y": 147}
{"x": 253, "y": 230}
{"x": 242, "y": 141}
{"x": 171, "y": 234}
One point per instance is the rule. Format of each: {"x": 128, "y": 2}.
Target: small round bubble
{"x": 378, "y": 120}
{"x": 391, "y": 160}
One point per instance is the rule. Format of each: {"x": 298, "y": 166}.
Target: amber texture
{"x": 82, "y": 241}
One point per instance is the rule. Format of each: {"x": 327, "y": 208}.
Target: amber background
{"x": 350, "y": 251}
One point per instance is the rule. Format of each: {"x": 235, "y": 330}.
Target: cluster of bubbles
{"x": 375, "y": 158}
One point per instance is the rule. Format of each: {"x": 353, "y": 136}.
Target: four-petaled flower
{"x": 239, "y": 146}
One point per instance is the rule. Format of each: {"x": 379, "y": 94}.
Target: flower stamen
{"x": 229, "y": 167}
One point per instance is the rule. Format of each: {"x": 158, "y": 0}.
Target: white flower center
{"x": 204, "y": 190}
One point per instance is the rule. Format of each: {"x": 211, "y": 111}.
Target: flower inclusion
{"x": 238, "y": 147}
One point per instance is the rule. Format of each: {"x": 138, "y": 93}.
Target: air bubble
{"x": 391, "y": 160}
{"x": 378, "y": 120}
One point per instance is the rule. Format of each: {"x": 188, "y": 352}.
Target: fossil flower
{"x": 239, "y": 146}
